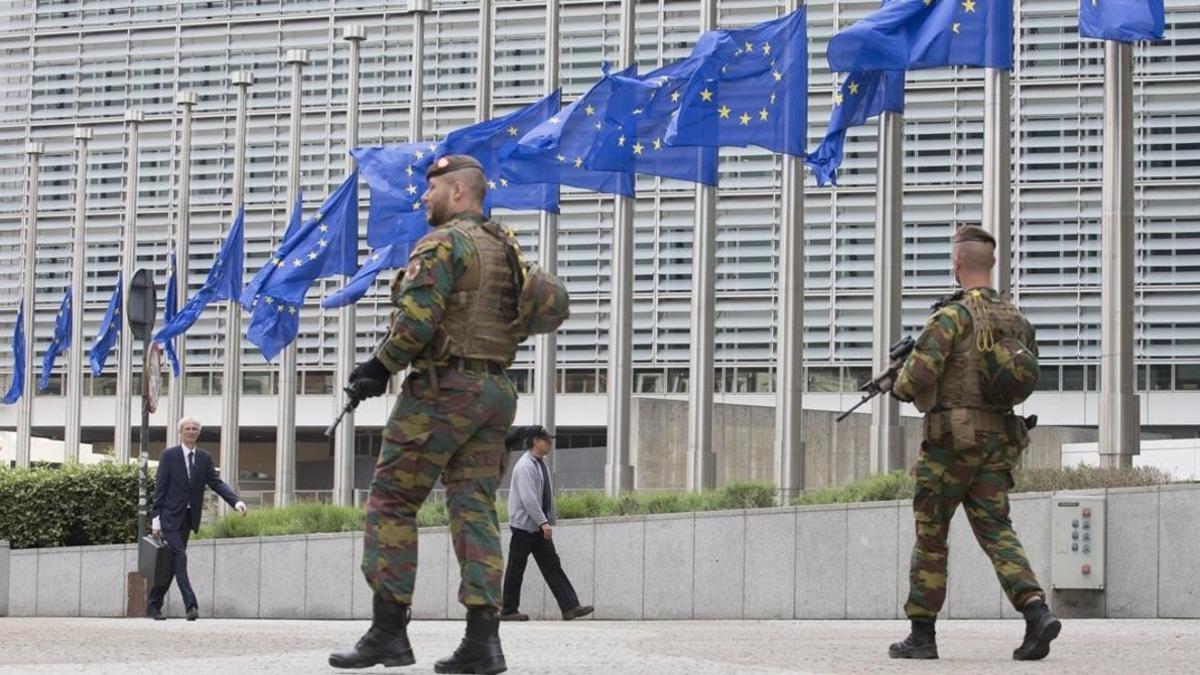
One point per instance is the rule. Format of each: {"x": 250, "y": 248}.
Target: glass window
{"x": 579, "y": 381}
{"x": 677, "y": 380}
{"x": 855, "y": 378}
{"x": 1093, "y": 377}
{"x": 652, "y": 381}
{"x": 1072, "y": 378}
{"x": 1187, "y": 377}
{"x": 195, "y": 384}
{"x": 218, "y": 383}
{"x": 1160, "y": 377}
{"x": 258, "y": 383}
{"x": 318, "y": 382}
{"x": 522, "y": 380}
{"x": 824, "y": 380}
{"x": 54, "y": 386}
{"x": 1048, "y": 379}
{"x": 755, "y": 380}
{"x": 104, "y": 385}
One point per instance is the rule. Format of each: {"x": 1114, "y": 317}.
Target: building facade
{"x": 68, "y": 63}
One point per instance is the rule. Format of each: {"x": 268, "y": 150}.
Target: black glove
{"x": 369, "y": 379}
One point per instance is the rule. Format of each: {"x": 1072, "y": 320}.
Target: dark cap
{"x": 538, "y": 431}
{"x": 449, "y": 163}
{"x": 973, "y": 233}
{"x": 518, "y": 436}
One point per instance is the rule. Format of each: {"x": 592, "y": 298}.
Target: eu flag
{"x": 358, "y": 286}
{"x": 224, "y": 282}
{"x": 18, "y": 349}
{"x": 635, "y": 139}
{"x": 396, "y": 176}
{"x": 553, "y": 151}
{"x": 169, "y": 312}
{"x": 915, "y": 34}
{"x": 862, "y": 96}
{"x": 323, "y": 246}
{"x": 1122, "y": 20}
{"x": 110, "y": 330}
{"x": 751, "y": 88}
{"x": 60, "y": 342}
{"x": 485, "y": 142}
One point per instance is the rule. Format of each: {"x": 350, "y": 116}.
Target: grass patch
{"x": 899, "y": 485}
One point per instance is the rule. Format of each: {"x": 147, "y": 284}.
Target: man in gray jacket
{"x": 531, "y": 515}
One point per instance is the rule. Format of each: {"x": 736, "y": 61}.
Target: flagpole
{"x": 1120, "y": 435}
{"x": 545, "y": 348}
{"x": 186, "y": 100}
{"x": 887, "y": 450}
{"x": 285, "y": 435}
{"x": 29, "y": 295}
{"x": 232, "y": 373}
{"x": 618, "y": 473}
{"x": 997, "y": 172}
{"x": 71, "y": 435}
{"x": 789, "y": 330}
{"x": 483, "y": 92}
{"x": 416, "y": 110}
{"x": 122, "y": 424}
{"x": 343, "y": 452}
{"x": 701, "y": 460}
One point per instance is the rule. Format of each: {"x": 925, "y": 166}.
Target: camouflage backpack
{"x": 542, "y": 301}
{"x": 1008, "y": 369}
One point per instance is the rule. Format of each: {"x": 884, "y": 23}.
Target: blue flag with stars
{"x": 224, "y": 282}
{"x": 915, "y": 34}
{"x": 396, "y": 176}
{"x": 60, "y": 342}
{"x": 17, "y": 386}
{"x": 169, "y": 312}
{"x": 358, "y": 286}
{"x": 110, "y": 330}
{"x": 861, "y": 97}
{"x": 554, "y": 151}
{"x": 323, "y": 246}
{"x": 634, "y": 141}
{"x": 1122, "y": 20}
{"x": 751, "y": 88}
{"x": 485, "y": 142}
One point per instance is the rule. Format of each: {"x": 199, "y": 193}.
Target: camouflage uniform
{"x": 969, "y": 452}
{"x": 454, "y": 304}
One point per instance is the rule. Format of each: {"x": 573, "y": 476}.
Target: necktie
{"x": 546, "y": 492}
{"x": 191, "y": 463}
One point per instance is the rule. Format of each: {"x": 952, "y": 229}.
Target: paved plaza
{"x": 48, "y": 645}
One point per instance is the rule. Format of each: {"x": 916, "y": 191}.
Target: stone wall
{"x": 829, "y": 562}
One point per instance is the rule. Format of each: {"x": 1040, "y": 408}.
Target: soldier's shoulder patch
{"x": 432, "y": 242}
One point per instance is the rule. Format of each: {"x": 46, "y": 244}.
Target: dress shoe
{"x": 1041, "y": 627}
{"x": 386, "y": 642}
{"x": 578, "y": 611}
{"x": 921, "y": 643}
{"x": 513, "y": 616}
{"x": 193, "y": 614}
{"x": 479, "y": 651}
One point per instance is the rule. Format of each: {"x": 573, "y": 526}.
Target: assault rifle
{"x": 351, "y": 404}
{"x": 884, "y": 381}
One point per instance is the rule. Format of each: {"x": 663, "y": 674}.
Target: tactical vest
{"x": 960, "y": 383}
{"x": 484, "y": 302}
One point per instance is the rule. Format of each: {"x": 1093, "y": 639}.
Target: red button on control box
{"x": 1086, "y": 569}
{"x": 1087, "y": 512}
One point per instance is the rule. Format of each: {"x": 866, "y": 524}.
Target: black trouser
{"x": 177, "y": 543}
{"x": 522, "y": 544}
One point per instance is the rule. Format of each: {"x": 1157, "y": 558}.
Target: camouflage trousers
{"x": 455, "y": 432}
{"x": 979, "y": 478}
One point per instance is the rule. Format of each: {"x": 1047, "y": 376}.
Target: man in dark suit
{"x": 183, "y": 471}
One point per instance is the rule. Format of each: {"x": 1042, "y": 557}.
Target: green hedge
{"x": 899, "y": 484}
{"x": 73, "y": 505}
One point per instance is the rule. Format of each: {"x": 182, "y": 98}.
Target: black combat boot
{"x": 386, "y": 642}
{"x": 1041, "y": 626}
{"x": 480, "y": 650}
{"x": 921, "y": 643}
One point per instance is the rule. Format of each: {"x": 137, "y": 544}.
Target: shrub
{"x": 71, "y": 505}
{"x": 302, "y": 518}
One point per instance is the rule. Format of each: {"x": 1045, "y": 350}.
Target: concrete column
{"x": 887, "y": 443}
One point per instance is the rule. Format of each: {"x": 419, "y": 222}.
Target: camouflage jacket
{"x": 420, "y": 293}
{"x": 923, "y": 368}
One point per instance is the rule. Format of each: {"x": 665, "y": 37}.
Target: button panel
{"x": 1077, "y": 524}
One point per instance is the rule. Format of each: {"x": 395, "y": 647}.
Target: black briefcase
{"x": 154, "y": 561}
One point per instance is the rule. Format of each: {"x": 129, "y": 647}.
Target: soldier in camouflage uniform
{"x": 969, "y": 452}
{"x": 455, "y": 302}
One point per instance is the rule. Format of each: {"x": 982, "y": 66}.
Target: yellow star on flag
{"x": 312, "y": 255}
{"x": 323, "y": 227}
{"x": 621, "y": 141}
{"x": 491, "y": 185}
{"x": 589, "y": 111}
{"x": 969, "y": 5}
{"x": 408, "y": 170}
{"x": 837, "y": 98}
{"x": 766, "y": 48}
{"x": 412, "y": 189}
{"x": 723, "y": 111}
{"x": 637, "y": 148}
{"x": 762, "y": 115}
{"x": 578, "y": 162}
{"x": 772, "y": 98}
{"x": 322, "y": 243}
{"x": 658, "y": 144}
{"x": 675, "y": 96}
{"x": 512, "y": 131}
{"x": 778, "y": 75}
{"x": 291, "y": 309}
{"x": 853, "y": 88}
{"x": 268, "y": 299}
{"x": 705, "y": 95}
{"x": 503, "y": 182}
{"x": 420, "y": 155}
{"x": 280, "y": 309}
{"x": 744, "y": 119}
{"x": 955, "y": 26}
{"x": 560, "y": 158}
{"x": 749, "y": 46}
{"x": 416, "y": 206}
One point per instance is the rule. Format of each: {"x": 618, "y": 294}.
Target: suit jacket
{"x": 178, "y": 499}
